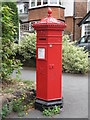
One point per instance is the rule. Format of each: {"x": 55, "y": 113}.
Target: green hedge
{"x": 74, "y": 59}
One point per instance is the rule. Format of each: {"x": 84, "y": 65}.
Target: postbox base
{"x": 40, "y": 104}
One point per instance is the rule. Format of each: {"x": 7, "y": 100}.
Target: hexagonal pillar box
{"x": 49, "y": 62}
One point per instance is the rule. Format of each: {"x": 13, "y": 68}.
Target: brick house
{"x": 84, "y": 24}
{"x": 80, "y": 12}
{"x": 63, "y": 10}
{"x": 80, "y": 8}
{"x": 38, "y": 9}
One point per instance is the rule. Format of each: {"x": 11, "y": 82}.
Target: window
{"x": 83, "y": 40}
{"x": 53, "y": 1}
{"x": 38, "y": 2}
{"x": 32, "y": 3}
{"x": 45, "y": 1}
{"x": 88, "y": 39}
{"x": 24, "y": 27}
{"x": 87, "y": 29}
{"x": 26, "y": 8}
{"x": 21, "y": 11}
{"x": 59, "y": 2}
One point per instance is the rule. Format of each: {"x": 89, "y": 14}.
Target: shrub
{"x": 8, "y": 63}
{"x": 74, "y": 59}
{"x": 27, "y": 48}
{"x": 6, "y": 109}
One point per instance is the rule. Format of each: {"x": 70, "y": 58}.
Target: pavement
{"x": 75, "y": 93}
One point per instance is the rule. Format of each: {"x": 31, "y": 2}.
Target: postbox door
{"x": 41, "y": 72}
{"x": 54, "y": 71}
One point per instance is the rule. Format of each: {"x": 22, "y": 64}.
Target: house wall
{"x": 80, "y": 12}
{"x": 69, "y": 27}
{"x": 81, "y": 9}
{"x": 68, "y": 4}
{"x": 77, "y": 29}
{"x": 39, "y": 13}
{"x": 88, "y": 6}
{"x": 82, "y": 30}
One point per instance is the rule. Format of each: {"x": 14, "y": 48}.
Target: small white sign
{"x": 41, "y": 53}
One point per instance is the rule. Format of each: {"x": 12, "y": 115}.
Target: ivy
{"x": 9, "y": 63}
{"x": 15, "y": 17}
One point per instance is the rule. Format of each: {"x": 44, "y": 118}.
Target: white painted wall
{"x": 88, "y": 6}
{"x": 68, "y": 4}
{"x": 83, "y": 30}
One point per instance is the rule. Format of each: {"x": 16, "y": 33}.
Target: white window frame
{"x": 87, "y": 30}
{"x": 57, "y": 2}
{"x": 35, "y": 2}
{"x": 43, "y": 4}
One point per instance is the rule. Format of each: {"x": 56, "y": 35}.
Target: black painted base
{"x": 41, "y": 104}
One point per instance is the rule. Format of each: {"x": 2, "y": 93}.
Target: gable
{"x": 85, "y": 20}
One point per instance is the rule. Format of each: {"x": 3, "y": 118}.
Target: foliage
{"x": 6, "y": 109}
{"x": 21, "y": 104}
{"x": 14, "y": 105}
{"x": 27, "y": 48}
{"x": 18, "y": 105}
{"x": 9, "y": 63}
{"x": 52, "y": 111}
{"x": 15, "y": 17}
{"x": 20, "y": 96}
{"x": 74, "y": 59}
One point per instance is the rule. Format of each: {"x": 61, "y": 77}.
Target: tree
{"x": 15, "y": 18}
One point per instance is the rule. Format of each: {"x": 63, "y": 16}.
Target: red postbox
{"x": 49, "y": 62}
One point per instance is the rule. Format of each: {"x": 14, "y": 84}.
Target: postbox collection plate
{"x": 41, "y": 53}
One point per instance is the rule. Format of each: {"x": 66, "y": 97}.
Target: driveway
{"x": 75, "y": 93}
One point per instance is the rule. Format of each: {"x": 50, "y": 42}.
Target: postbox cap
{"x": 49, "y": 22}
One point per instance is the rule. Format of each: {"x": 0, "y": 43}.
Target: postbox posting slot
{"x": 42, "y": 38}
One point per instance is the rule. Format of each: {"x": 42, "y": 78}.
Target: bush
{"x": 28, "y": 46}
{"x": 74, "y": 59}
{"x": 27, "y": 49}
{"x": 8, "y": 63}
